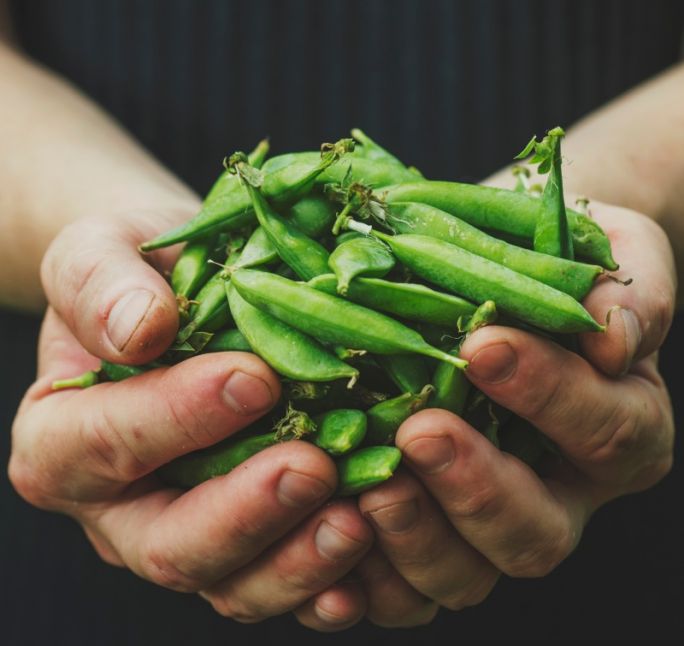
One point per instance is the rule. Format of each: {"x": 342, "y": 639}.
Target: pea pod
{"x": 479, "y": 279}
{"x": 193, "y": 269}
{"x": 287, "y": 350}
{"x": 571, "y": 277}
{"x": 313, "y": 215}
{"x": 504, "y": 211}
{"x": 385, "y": 418}
{"x": 366, "y": 468}
{"x": 228, "y": 341}
{"x": 330, "y": 319}
{"x": 210, "y": 312}
{"x": 234, "y": 209}
{"x": 373, "y": 151}
{"x": 341, "y": 430}
{"x": 107, "y": 372}
{"x": 259, "y": 250}
{"x": 360, "y": 256}
{"x": 408, "y": 371}
{"x": 407, "y": 300}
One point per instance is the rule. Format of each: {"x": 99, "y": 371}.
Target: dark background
{"x": 455, "y": 88}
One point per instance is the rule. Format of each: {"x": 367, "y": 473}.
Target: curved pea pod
{"x": 372, "y": 150}
{"x": 233, "y": 209}
{"x": 479, "y": 280}
{"x": 287, "y": 350}
{"x": 192, "y": 469}
{"x": 571, "y": 277}
{"x": 210, "y": 312}
{"x": 259, "y": 250}
{"x": 331, "y": 319}
{"x": 107, "y": 372}
{"x": 408, "y": 371}
{"x": 385, "y": 418}
{"x": 505, "y": 211}
{"x": 408, "y": 300}
{"x": 314, "y": 215}
{"x": 366, "y": 468}
{"x": 360, "y": 256}
{"x": 193, "y": 269}
{"x": 227, "y": 341}
{"x": 340, "y": 431}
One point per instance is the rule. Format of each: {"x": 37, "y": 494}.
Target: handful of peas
{"x": 357, "y": 280}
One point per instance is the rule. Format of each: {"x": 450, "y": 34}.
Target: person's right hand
{"x": 256, "y": 542}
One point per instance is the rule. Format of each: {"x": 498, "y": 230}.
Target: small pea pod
{"x": 193, "y": 269}
{"x": 107, "y": 372}
{"x": 408, "y": 371}
{"x": 340, "y": 431}
{"x": 228, "y": 341}
{"x": 192, "y": 469}
{"x": 313, "y": 215}
{"x": 479, "y": 280}
{"x": 365, "y": 468}
{"x": 408, "y": 300}
{"x": 259, "y": 250}
{"x": 290, "y": 352}
{"x": 331, "y": 319}
{"x": 360, "y": 256}
{"x": 210, "y": 312}
{"x": 385, "y": 418}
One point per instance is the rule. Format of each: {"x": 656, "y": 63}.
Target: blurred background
{"x": 455, "y": 88}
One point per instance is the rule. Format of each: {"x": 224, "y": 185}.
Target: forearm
{"x": 62, "y": 158}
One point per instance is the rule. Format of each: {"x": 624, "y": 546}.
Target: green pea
{"x": 366, "y": 468}
{"x": 385, "y": 418}
{"x": 340, "y": 431}
{"x": 360, "y": 256}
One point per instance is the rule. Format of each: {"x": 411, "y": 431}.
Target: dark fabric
{"x": 455, "y": 88}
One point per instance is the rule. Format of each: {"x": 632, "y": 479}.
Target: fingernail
{"x": 126, "y": 315}
{"x": 396, "y": 518}
{"x": 329, "y": 617}
{"x": 299, "y": 490}
{"x": 632, "y": 335}
{"x": 333, "y": 545}
{"x": 430, "y": 454}
{"x": 494, "y": 364}
{"x": 247, "y": 394}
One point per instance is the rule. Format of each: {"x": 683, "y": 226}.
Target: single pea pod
{"x": 313, "y": 215}
{"x": 193, "y": 269}
{"x": 407, "y": 300}
{"x": 192, "y": 469}
{"x": 210, "y": 312}
{"x": 360, "y": 256}
{"x": 231, "y": 340}
{"x": 340, "y": 431}
{"x": 408, "y": 371}
{"x": 288, "y": 351}
{"x": 365, "y": 468}
{"x": 330, "y": 319}
{"x": 385, "y": 418}
{"x": 571, "y": 277}
{"x": 504, "y": 211}
{"x": 479, "y": 280}
{"x": 370, "y": 149}
{"x": 234, "y": 209}
{"x": 258, "y": 250}
{"x": 306, "y": 257}
{"x": 107, "y": 372}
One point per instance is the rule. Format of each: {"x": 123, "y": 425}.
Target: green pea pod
{"x": 313, "y": 215}
{"x": 373, "y": 151}
{"x": 192, "y": 469}
{"x": 408, "y": 300}
{"x": 361, "y": 256}
{"x": 408, "y": 371}
{"x": 107, "y": 372}
{"x": 287, "y": 350}
{"x": 306, "y": 257}
{"x": 504, "y": 211}
{"x": 193, "y": 269}
{"x": 385, "y": 418}
{"x": 228, "y": 341}
{"x": 340, "y": 431}
{"x": 365, "y": 468}
{"x": 259, "y": 250}
{"x": 233, "y": 210}
{"x": 479, "y": 279}
{"x": 330, "y": 319}
{"x": 571, "y": 277}
{"x": 210, "y": 311}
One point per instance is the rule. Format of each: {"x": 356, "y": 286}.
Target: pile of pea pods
{"x": 356, "y": 279}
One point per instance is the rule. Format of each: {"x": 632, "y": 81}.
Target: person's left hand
{"x": 465, "y": 512}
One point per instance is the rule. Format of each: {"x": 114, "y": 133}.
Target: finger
{"x": 189, "y": 541}
{"x": 118, "y": 306}
{"x": 391, "y": 601}
{"x": 646, "y": 306}
{"x": 114, "y": 433}
{"x": 617, "y": 431}
{"x": 339, "y": 607}
{"x": 524, "y": 526}
{"x": 307, "y": 561}
{"x": 424, "y": 547}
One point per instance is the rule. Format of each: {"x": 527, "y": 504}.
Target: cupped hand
{"x": 462, "y": 512}
{"x": 256, "y": 542}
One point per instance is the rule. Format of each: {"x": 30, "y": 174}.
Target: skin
{"x": 105, "y": 441}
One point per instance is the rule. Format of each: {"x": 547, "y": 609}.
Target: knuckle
{"x": 542, "y": 401}
{"x": 230, "y": 606}
{"x": 422, "y": 615}
{"x": 663, "y": 304}
{"x": 472, "y": 594}
{"x": 29, "y": 482}
{"x": 538, "y": 560}
{"x": 475, "y": 503}
{"x": 157, "y": 565}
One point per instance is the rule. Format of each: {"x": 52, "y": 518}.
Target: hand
{"x": 463, "y": 512}
{"x": 91, "y": 454}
